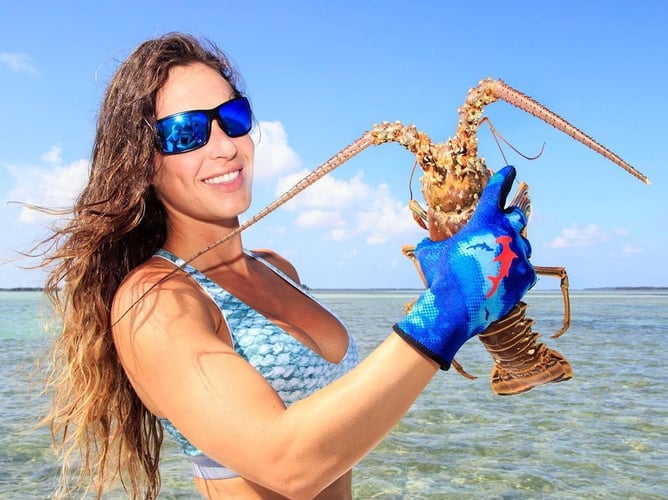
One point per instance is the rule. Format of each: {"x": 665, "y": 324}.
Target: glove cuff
{"x": 434, "y": 332}
{"x": 422, "y": 347}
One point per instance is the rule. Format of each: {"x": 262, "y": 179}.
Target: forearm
{"x": 330, "y": 431}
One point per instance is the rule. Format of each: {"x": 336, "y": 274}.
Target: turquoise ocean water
{"x": 603, "y": 434}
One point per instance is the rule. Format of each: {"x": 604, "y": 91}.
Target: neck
{"x": 187, "y": 244}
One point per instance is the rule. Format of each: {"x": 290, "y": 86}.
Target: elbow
{"x": 298, "y": 486}
{"x": 299, "y": 493}
{"x": 302, "y": 479}
{"x": 300, "y": 468}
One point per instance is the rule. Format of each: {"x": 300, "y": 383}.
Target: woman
{"x": 258, "y": 382}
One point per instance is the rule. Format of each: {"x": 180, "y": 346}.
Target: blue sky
{"x": 319, "y": 74}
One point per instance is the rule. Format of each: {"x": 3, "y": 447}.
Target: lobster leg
{"x": 560, "y": 273}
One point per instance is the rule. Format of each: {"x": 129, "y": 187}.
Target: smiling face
{"x": 211, "y": 184}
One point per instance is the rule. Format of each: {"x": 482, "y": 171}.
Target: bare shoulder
{"x": 280, "y": 262}
{"x": 156, "y": 293}
{"x": 155, "y": 284}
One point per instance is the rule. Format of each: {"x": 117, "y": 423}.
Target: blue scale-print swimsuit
{"x": 292, "y": 369}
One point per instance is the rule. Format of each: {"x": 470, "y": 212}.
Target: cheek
{"x": 245, "y": 146}
{"x": 249, "y": 152}
{"x": 168, "y": 177}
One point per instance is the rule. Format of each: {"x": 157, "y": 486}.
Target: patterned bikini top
{"x": 291, "y": 368}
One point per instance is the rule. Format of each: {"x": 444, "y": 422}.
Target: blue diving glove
{"x": 473, "y": 278}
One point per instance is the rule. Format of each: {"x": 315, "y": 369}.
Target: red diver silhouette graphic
{"x": 505, "y": 257}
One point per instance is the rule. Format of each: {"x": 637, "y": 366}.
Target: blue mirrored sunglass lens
{"x": 235, "y": 117}
{"x": 183, "y": 132}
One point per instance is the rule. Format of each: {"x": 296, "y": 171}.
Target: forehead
{"x": 196, "y": 86}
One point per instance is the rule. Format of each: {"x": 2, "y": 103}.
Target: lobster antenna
{"x": 497, "y": 135}
{"x": 522, "y": 101}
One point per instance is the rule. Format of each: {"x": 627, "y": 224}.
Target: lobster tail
{"x": 520, "y": 361}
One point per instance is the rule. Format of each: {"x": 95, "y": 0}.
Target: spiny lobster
{"x": 452, "y": 181}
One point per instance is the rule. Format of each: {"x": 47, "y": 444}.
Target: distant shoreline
{"x": 628, "y": 288}
{"x": 606, "y": 288}
{"x": 22, "y": 289}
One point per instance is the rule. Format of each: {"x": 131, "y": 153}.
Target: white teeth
{"x": 222, "y": 179}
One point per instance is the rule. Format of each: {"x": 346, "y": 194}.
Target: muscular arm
{"x": 184, "y": 369}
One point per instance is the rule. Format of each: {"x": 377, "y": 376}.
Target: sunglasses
{"x": 190, "y": 130}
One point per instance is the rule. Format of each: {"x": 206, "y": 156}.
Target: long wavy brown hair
{"x": 99, "y": 426}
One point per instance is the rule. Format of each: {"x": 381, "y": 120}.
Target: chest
{"x": 272, "y": 302}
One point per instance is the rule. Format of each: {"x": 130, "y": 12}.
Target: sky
{"x": 319, "y": 74}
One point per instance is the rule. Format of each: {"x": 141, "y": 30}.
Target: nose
{"x": 220, "y": 144}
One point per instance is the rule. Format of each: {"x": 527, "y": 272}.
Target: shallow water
{"x": 603, "y": 434}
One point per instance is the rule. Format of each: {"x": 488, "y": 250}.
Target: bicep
{"x": 174, "y": 354}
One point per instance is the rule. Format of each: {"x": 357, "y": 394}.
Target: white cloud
{"x": 319, "y": 218}
{"x": 347, "y": 209}
{"x": 629, "y": 251}
{"x": 384, "y": 217}
{"x": 273, "y": 155}
{"x": 52, "y": 185}
{"x": 340, "y": 233}
{"x": 52, "y": 156}
{"x": 327, "y": 192}
{"x": 17, "y": 62}
{"x": 579, "y": 236}
{"x": 592, "y": 235}
{"x": 342, "y": 209}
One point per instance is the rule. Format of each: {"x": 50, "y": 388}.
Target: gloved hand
{"x": 473, "y": 278}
